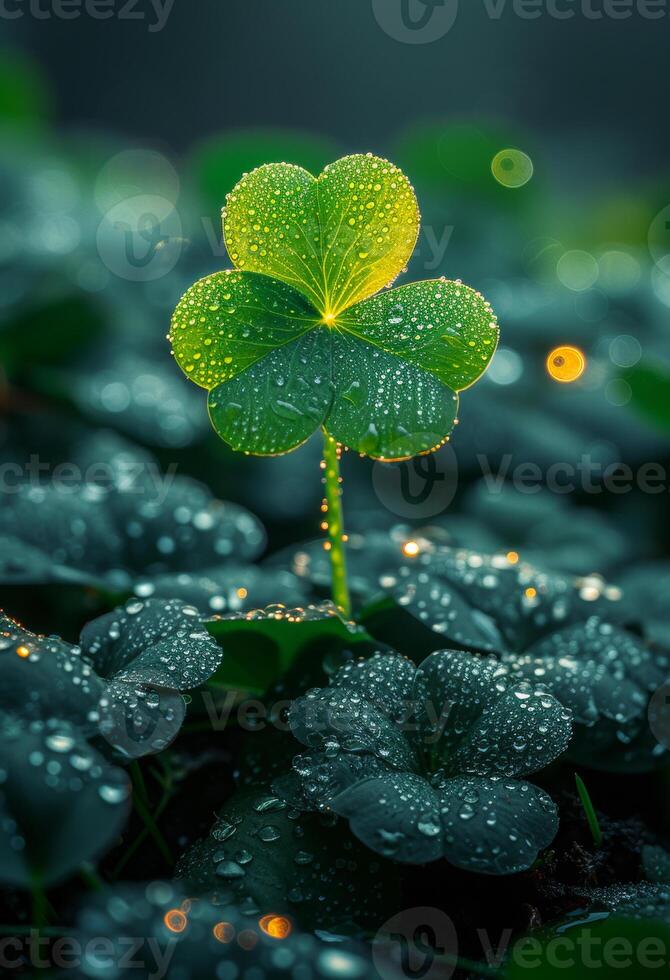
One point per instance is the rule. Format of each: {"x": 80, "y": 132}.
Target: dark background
{"x": 327, "y": 65}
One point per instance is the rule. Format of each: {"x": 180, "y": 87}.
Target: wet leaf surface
{"x": 61, "y": 803}
{"x": 149, "y": 652}
{"x": 266, "y": 856}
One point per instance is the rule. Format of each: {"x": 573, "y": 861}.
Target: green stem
{"x": 141, "y": 804}
{"x": 589, "y": 810}
{"x": 40, "y": 905}
{"x": 335, "y": 525}
{"x": 168, "y": 792}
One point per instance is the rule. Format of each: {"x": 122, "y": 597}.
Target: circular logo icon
{"x": 138, "y": 717}
{"x": 419, "y": 487}
{"x": 415, "y": 21}
{"x": 659, "y": 240}
{"x": 140, "y": 238}
{"x": 658, "y": 714}
{"x": 416, "y": 944}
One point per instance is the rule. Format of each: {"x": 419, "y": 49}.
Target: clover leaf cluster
{"x": 65, "y": 709}
{"x": 294, "y": 337}
{"x": 425, "y": 762}
{"x": 576, "y": 637}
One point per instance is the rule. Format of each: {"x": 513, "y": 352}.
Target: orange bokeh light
{"x": 566, "y": 364}
{"x": 276, "y": 926}
{"x": 175, "y": 920}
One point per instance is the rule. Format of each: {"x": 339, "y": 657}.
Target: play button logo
{"x": 415, "y": 21}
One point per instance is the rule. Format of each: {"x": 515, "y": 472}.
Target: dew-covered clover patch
{"x": 558, "y": 632}
{"x": 148, "y": 652}
{"x": 294, "y": 337}
{"x": 61, "y": 802}
{"x": 565, "y": 634}
{"x": 524, "y": 602}
{"x": 424, "y": 762}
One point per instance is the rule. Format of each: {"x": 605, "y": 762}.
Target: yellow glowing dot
{"x": 530, "y": 593}
{"x": 224, "y": 932}
{"x": 410, "y": 549}
{"x": 242, "y": 593}
{"x": 566, "y": 364}
{"x": 327, "y": 545}
{"x": 329, "y": 319}
{"x": 175, "y": 920}
{"x": 23, "y": 652}
{"x": 276, "y": 926}
{"x": 512, "y": 557}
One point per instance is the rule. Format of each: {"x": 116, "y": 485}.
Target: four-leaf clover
{"x": 295, "y": 338}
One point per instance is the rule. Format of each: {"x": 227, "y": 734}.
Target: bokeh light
{"x": 506, "y": 367}
{"x": 577, "y": 269}
{"x": 566, "y": 364}
{"x": 625, "y": 350}
{"x": 175, "y": 920}
{"x": 276, "y": 926}
{"x": 512, "y": 168}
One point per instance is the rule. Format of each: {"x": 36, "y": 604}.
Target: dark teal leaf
{"x": 495, "y": 825}
{"x": 397, "y": 815}
{"x": 149, "y": 651}
{"x": 44, "y": 677}
{"x": 337, "y": 719}
{"x": 61, "y": 803}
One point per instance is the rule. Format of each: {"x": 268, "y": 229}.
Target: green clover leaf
{"x": 294, "y": 338}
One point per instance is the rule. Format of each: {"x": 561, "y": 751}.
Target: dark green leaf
{"x": 61, "y": 803}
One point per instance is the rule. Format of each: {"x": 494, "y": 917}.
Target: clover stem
{"x": 333, "y": 524}
{"x": 40, "y": 905}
